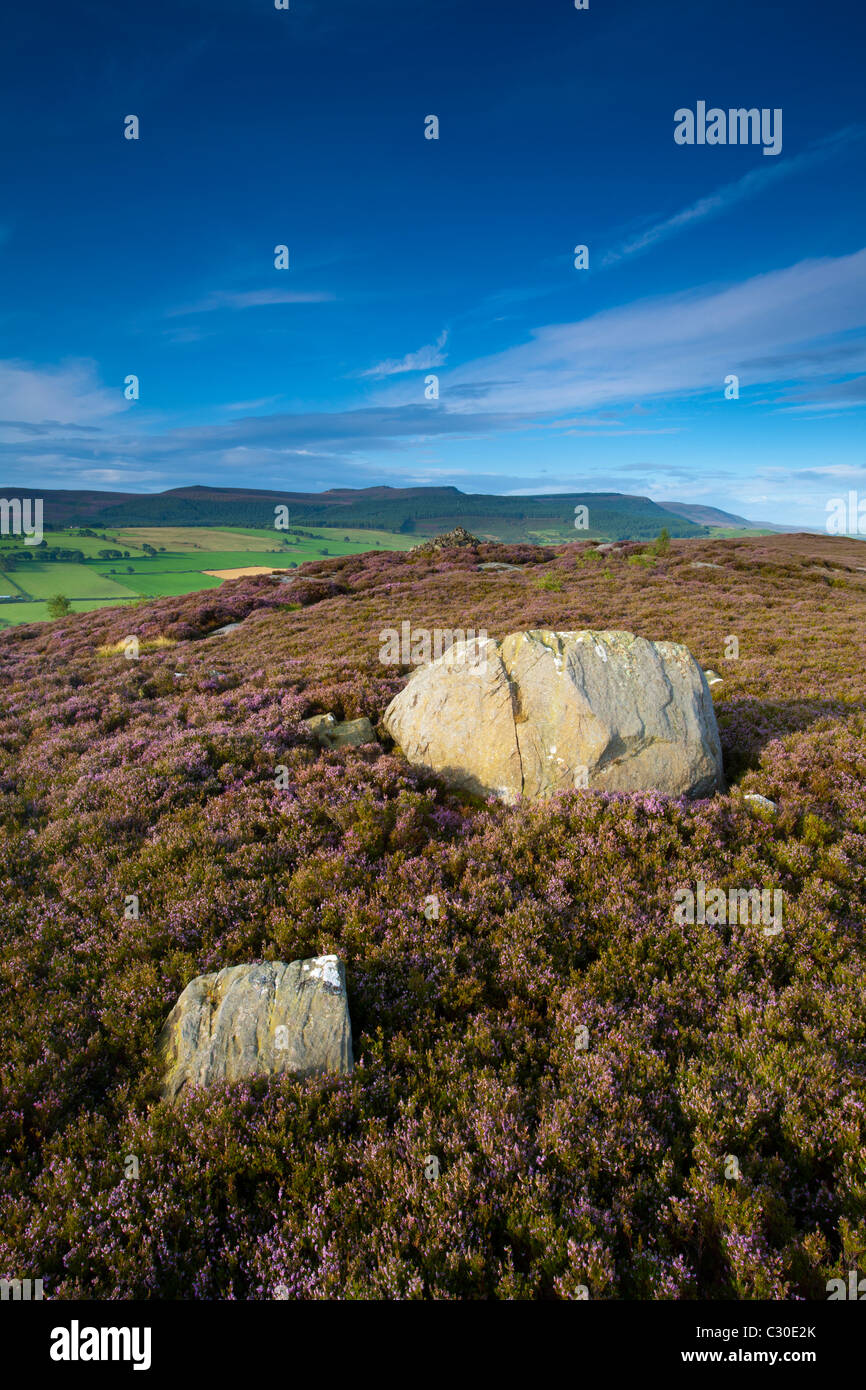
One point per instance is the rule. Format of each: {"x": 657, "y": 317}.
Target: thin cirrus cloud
{"x": 251, "y": 299}
{"x": 426, "y": 357}
{"x": 749, "y": 186}
{"x": 774, "y": 329}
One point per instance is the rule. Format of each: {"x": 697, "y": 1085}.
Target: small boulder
{"x": 320, "y": 725}
{"x": 712, "y": 677}
{"x": 762, "y": 802}
{"x": 351, "y": 733}
{"x": 271, "y": 1019}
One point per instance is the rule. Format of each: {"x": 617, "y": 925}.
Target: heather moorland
{"x": 562, "y": 1168}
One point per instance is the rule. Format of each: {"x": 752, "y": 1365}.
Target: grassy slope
{"x": 559, "y": 1166}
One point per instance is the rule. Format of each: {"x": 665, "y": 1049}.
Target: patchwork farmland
{"x": 104, "y": 568}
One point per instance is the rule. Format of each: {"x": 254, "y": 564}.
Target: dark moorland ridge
{"x": 559, "y": 1166}
{"x": 427, "y": 510}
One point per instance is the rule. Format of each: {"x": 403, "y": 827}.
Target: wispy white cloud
{"x": 44, "y": 396}
{"x": 251, "y": 299}
{"x": 751, "y": 184}
{"x": 238, "y": 407}
{"x": 772, "y": 330}
{"x": 420, "y": 361}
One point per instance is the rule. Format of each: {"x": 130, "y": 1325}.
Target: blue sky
{"x": 407, "y": 256}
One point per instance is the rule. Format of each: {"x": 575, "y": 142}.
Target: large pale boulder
{"x": 456, "y": 717}
{"x": 545, "y": 712}
{"x": 258, "y": 1020}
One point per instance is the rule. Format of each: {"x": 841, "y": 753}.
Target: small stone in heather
{"x": 320, "y": 724}
{"x": 763, "y": 801}
{"x": 271, "y": 1019}
{"x": 351, "y": 733}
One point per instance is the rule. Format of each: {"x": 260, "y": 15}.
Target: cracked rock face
{"x": 258, "y": 1020}
{"x": 546, "y": 712}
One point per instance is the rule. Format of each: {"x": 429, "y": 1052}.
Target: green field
{"x": 193, "y": 538}
{"x": 41, "y": 580}
{"x": 164, "y": 585}
{"x": 359, "y": 538}
{"x": 183, "y": 554}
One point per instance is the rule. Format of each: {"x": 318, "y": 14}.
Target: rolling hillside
{"x": 423, "y": 511}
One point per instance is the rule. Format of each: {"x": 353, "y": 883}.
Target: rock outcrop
{"x": 258, "y": 1020}
{"x": 544, "y": 712}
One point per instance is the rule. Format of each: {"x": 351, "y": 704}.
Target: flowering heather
{"x": 582, "y": 1065}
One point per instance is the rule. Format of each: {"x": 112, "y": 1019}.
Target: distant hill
{"x": 708, "y": 516}
{"x": 714, "y": 516}
{"x": 425, "y": 511}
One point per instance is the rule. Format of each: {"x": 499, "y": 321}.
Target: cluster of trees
{"x": 12, "y": 558}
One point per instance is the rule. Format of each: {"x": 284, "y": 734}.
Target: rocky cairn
{"x": 543, "y": 712}
{"x": 272, "y": 1019}
{"x": 458, "y": 539}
